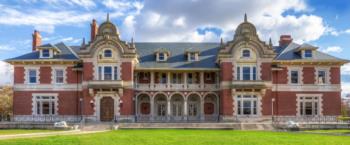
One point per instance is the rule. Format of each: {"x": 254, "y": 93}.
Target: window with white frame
{"x": 308, "y": 53}
{"x": 192, "y": 56}
{"x": 321, "y": 77}
{"x": 161, "y": 56}
{"x": 294, "y": 77}
{"x": 108, "y": 73}
{"x": 59, "y": 76}
{"x": 247, "y": 105}
{"x": 309, "y": 105}
{"x": 176, "y": 78}
{"x": 246, "y": 73}
{"x": 246, "y": 53}
{"x": 32, "y": 76}
{"x": 45, "y": 105}
{"x": 45, "y": 53}
{"x": 107, "y": 53}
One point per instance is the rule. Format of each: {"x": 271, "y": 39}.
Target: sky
{"x": 324, "y": 24}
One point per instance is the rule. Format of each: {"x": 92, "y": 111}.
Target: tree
{"x": 6, "y": 97}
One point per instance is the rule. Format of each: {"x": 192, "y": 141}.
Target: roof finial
{"x": 221, "y": 42}
{"x": 245, "y": 17}
{"x": 107, "y": 17}
{"x": 83, "y": 43}
{"x": 270, "y": 42}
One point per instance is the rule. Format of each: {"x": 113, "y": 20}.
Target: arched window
{"x": 246, "y": 53}
{"x": 107, "y": 53}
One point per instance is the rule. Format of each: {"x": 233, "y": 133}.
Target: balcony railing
{"x": 176, "y": 86}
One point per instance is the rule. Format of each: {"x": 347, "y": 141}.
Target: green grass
{"x": 185, "y": 137}
{"x": 334, "y": 131}
{"x": 22, "y": 131}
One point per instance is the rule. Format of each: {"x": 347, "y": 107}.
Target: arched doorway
{"x": 144, "y": 104}
{"x": 193, "y": 107}
{"x": 160, "y": 106}
{"x": 177, "y": 107}
{"x": 107, "y": 109}
{"x": 210, "y": 107}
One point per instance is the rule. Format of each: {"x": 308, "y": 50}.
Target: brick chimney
{"x": 36, "y": 40}
{"x": 93, "y": 26}
{"x": 285, "y": 40}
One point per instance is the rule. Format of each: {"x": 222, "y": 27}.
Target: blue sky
{"x": 322, "y": 23}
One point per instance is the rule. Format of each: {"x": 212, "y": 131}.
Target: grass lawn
{"x": 186, "y": 137}
{"x": 22, "y": 131}
{"x": 335, "y": 131}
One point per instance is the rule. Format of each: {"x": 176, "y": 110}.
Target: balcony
{"x": 97, "y": 84}
{"x": 177, "y": 87}
{"x": 251, "y": 84}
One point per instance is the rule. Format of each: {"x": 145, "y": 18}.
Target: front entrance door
{"x": 107, "y": 109}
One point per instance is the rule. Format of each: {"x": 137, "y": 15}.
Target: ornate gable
{"x": 246, "y": 38}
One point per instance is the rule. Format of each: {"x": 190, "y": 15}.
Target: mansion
{"x": 109, "y": 79}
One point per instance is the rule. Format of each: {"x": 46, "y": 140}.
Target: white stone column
{"x": 201, "y": 79}
{"x": 185, "y": 109}
{"x": 152, "y": 108}
{"x": 168, "y": 79}
{"x": 202, "y": 109}
{"x": 185, "y": 80}
{"x": 168, "y": 109}
{"x": 152, "y": 80}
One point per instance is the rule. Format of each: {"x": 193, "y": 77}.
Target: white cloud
{"x": 6, "y": 48}
{"x": 347, "y": 31}
{"x": 6, "y": 73}
{"x": 165, "y": 20}
{"x": 345, "y": 89}
{"x": 345, "y": 69}
{"x": 335, "y": 49}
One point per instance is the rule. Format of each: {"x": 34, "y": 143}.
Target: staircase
{"x": 97, "y": 126}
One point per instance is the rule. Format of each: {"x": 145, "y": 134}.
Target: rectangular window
{"x": 46, "y": 53}
{"x": 115, "y": 73}
{"x": 294, "y": 76}
{"x": 192, "y": 56}
{"x": 321, "y": 77}
{"x": 238, "y": 73}
{"x": 254, "y": 73}
{"x": 45, "y": 105}
{"x": 161, "y": 57}
{"x": 308, "y": 106}
{"x": 247, "y": 105}
{"x": 308, "y": 53}
{"x": 32, "y": 76}
{"x": 246, "y": 73}
{"x": 107, "y": 73}
{"x": 99, "y": 73}
{"x": 59, "y": 76}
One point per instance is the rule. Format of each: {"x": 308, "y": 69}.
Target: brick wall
{"x": 45, "y": 75}
{"x": 335, "y": 75}
{"x": 127, "y": 108}
{"x": 308, "y": 75}
{"x": 226, "y": 71}
{"x": 88, "y": 71}
{"x": 226, "y": 107}
{"x": 280, "y": 77}
{"x": 265, "y": 71}
{"x": 127, "y": 71}
{"x": 19, "y": 74}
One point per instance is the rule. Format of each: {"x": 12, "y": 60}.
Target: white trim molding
{"x": 307, "y": 87}
{"x": 313, "y": 96}
{"x": 328, "y": 75}
{"x": 53, "y": 74}
{"x": 26, "y": 74}
{"x": 34, "y": 100}
{"x": 300, "y": 75}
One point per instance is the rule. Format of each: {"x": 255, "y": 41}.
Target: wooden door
{"x": 107, "y": 109}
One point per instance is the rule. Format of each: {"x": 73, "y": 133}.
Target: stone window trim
{"x": 26, "y": 75}
{"x": 53, "y": 74}
{"x": 97, "y": 101}
{"x": 35, "y": 95}
{"x": 258, "y": 107}
{"x": 257, "y": 71}
{"x": 113, "y": 65}
{"x": 300, "y": 75}
{"x": 192, "y": 56}
{"x": 41, "y": 52}
{"x": 105, "y": 53}
{"x": 328, "y": 75}
{"x": 320, "y": 104}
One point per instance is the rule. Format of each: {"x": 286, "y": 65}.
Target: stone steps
{"x": 97, "y": 126}
{"x": 233, "y": 126}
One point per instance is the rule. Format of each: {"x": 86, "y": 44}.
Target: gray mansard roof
{"x": 178, "y": 58}
{"x": 289, "y": 52}
{"x": 66, "y": 53}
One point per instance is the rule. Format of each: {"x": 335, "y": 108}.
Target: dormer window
{"x": 161, "y": 57}
{"x": 246, "y": 53}
{"x": 192, "y": 56}
{"x": 308, "y": 53}
{"x": 107, "y": 53}
{"x": 46, "y": 53}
